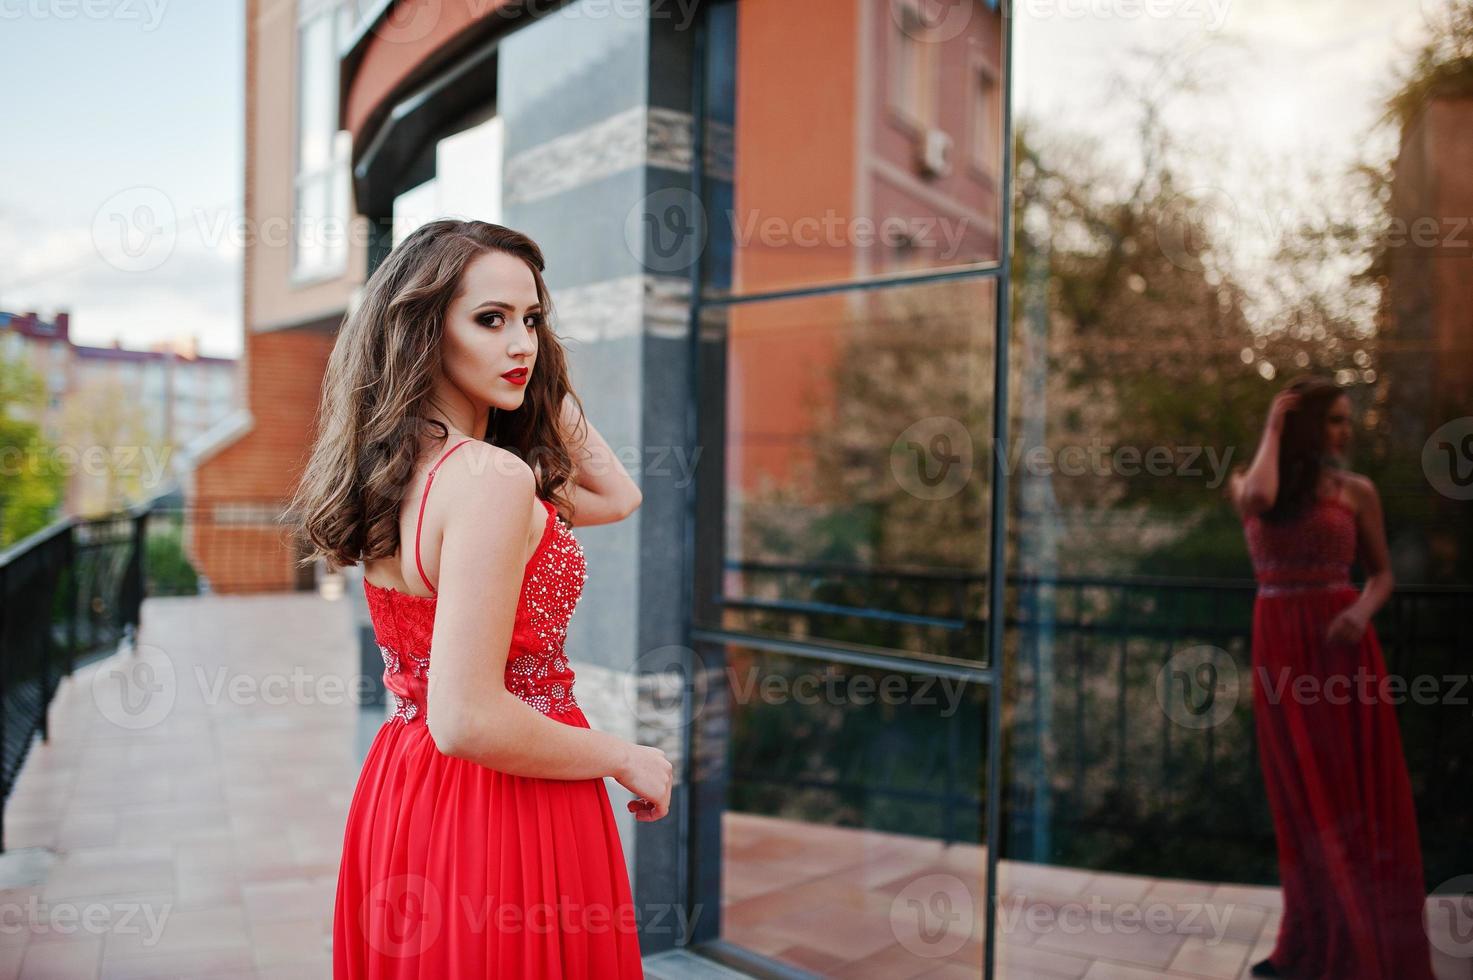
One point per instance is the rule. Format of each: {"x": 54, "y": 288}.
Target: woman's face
{"x": 491, "y": 329}
{"x": 1337, "y": 426}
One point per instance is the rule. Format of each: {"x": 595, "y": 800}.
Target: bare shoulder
{"x": 483, "y": 481}
{"x": 1360, "y": 491}
{"x": 1234, "y": 492}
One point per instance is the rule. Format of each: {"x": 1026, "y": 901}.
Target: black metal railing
{"x": 71, "y": 593}
{"x": 1096, "y": 773}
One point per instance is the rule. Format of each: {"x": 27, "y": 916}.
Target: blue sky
{"x": 103, "y": 97}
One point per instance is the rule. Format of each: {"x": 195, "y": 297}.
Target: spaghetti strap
{"x": 422, "y": 499}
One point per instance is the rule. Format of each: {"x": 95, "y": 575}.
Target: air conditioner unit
{"x": 935, "y": 147}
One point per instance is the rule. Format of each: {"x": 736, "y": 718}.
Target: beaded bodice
{"x": 1312, "y": 551}
{"x": 537, "y": 670}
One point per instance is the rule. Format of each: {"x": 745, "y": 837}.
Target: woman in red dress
{"x": 480, "y": 840}
{"x": 1350, "y": 862}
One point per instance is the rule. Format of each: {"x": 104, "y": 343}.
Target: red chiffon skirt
{"x": 451, "y": 870}
{"x": 1350, "y": 861}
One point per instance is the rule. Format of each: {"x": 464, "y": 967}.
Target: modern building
{"x": 298, "y": 283}
{"x": 680, "y": 188}
{"x": 780, "y": 245}
{"x": 161, "y": 400}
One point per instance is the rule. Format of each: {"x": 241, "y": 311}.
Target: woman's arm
{"x": 1375, "y": 558}
{"x": 484, "y": 502}
{"x": 1256, "y": 490}
{"x": 603, "y": 491}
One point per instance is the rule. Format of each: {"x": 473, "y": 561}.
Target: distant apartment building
{"x": 164, "y": 399}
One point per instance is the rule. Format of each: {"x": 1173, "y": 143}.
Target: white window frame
{"x": 984, "y": 117}
{"x": 332, "y": 178}
{"x": 911, "y": 82}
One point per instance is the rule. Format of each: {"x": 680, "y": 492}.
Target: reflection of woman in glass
{"x": 1328, "y": 743}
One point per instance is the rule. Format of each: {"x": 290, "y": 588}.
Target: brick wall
{"x": 236, "y": 492}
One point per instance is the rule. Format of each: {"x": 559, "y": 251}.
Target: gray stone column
{"x": 598, "y": 144}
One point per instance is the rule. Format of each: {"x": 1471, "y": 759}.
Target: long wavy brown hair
{"x": 376, "y": 391}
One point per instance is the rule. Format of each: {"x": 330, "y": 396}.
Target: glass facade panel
{"x": 1266, "y": 771}
{"x": 853, "y": 793}
{"x": 848, "y": 306}
{"x": 853, "y": 160}
{"x": 856, "y": 493}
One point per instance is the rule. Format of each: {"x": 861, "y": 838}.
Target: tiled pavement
{"x": 195, "y": 833}
{"x": 204, "y": 839}
{"x": 854, "y": 903}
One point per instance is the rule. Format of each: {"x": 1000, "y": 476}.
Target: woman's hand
{"x": 1347, "y": 628}
{"x": 649, "y": 775}
{"x": 1284, "y": 403}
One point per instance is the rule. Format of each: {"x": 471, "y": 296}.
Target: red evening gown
{"x": 451, "y": 869}
{"x": 1350, "y": 862}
